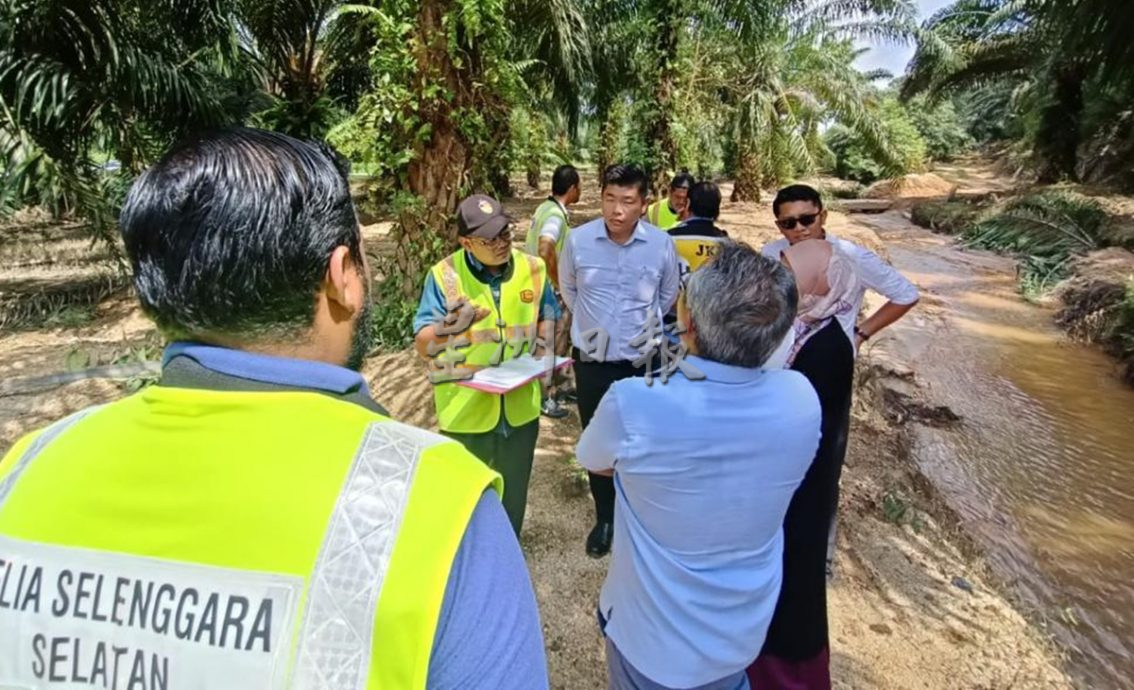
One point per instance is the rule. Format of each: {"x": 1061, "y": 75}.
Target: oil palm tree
{"x": 1056, "y": 50}
{"x": 84, "y": 77}
{"x": 795, "y": 74}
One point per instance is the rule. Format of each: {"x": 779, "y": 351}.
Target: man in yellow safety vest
{"x": 255, "y": 520}
{"x": 546, "y": 237}
{"x": 502, "y": 306}
{"x": 668, "y": 212}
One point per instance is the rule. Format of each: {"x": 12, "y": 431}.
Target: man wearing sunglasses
{"x": 504, "y": 295}
{"x": 800, "y": 216}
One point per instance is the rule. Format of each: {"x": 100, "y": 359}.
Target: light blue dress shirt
{"x": 705, "y": 471}
{"x": 616, "y": 287}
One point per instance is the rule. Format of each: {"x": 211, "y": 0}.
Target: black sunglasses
{"x": 806, "y": 220}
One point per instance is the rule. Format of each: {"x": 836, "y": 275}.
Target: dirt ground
{"x": 910, "y": 606}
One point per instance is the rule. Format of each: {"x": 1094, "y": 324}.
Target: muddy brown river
{"x": 1041, "y": 465}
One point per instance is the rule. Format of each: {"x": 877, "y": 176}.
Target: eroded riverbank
{"x": 1036, "y": 467}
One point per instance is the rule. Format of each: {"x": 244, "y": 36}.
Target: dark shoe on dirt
{"x": 552, "y": 409}
{"x": 569, "y": 397}
{"x": 598, "y": 542}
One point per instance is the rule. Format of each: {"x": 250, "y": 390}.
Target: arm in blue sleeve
{"x": 549, "y": 305}
{"x": 598, "y": 446}
{"x": 489, "y": 635}
{"x": 431, "y": 307}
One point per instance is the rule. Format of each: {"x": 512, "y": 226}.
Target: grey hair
{"x": 742, "y": 305}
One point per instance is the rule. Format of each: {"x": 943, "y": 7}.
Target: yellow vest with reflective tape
{"x": 229, "y": 540}
{"x": 464, "y": 410}
{"x": 544, "y": 213}
{"x": 660, "y": 215}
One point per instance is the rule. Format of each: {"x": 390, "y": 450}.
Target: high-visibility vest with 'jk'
{"x": 228, "y": 540}
{"x": 465, "y": 410}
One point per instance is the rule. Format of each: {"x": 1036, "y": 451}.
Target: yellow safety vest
{"x": 545, "y": 212}
{"x": 661, "y": 216}
{"x": 188, "y": 538}
{"x": 464, "y": 410}
{"x": 694, "y": 251}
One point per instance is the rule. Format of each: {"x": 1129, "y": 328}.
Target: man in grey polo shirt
{"x": 615, "y": 273}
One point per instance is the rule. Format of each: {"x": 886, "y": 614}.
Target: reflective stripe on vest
{"x": 372, "y": 598}
{"x": 464, "y": 410}
{"x": 545, "y": 212}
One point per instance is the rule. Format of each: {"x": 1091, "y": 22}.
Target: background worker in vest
{"x": 258, "y": 481}
{"x": 549, "y": 229}
{"x": 505, "y": 286}
{"x": 616, "y": 272}
{"x": 668, "y": 212}
{"x": 698, "y": 238}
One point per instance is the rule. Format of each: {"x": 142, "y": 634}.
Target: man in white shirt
{"x": 800, "y": 216}
{"x": 616, "y": 272}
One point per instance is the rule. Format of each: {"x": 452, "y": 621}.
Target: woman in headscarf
{"x": 795, "y": 654}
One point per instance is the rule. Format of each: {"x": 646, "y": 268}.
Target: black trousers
{"x": 592, "y": 379}
{"x": 511, "y": 456}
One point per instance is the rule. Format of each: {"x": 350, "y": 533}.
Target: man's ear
{"x": 823, "y": 218}
{"x": 345, "y": 284}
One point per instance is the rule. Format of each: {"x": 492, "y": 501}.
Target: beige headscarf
{"x": 827, "y": 281}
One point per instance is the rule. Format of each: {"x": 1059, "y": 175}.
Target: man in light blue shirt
{"x": 615, "y": 274}
{"x": 705, "y": 471}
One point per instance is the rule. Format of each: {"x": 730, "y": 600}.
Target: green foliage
{"x": 1034, "y": 66}
{"x": 80, "y": 77}
{"x": 1044, "y": 231}
{"x": 946, "y": 217}
{"x": 71, "y": 316}
{"x": 392, "y": 317}
{"x": 856, "y": 159}
{"x": 894, "y": 508}
{"x": 941, "y": 127}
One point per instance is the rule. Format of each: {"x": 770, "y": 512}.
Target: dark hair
{"x": 563, "y": 179}
{"x": 682, "y": 180}
{"x": 796, "y": 192}
{"x": 231, "y": 232}
{"x": 705, "y": 200}
{"x": 621, "y": 175}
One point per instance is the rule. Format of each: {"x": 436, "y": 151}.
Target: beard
{"x": 362, "y": 338}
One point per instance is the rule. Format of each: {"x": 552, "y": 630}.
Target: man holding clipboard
{"x": 497, "y": 300}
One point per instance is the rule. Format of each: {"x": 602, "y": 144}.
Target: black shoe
{"x": 552, "y": 409}
{"x": 569, "y": 397}
{"x": 598, "y": 542}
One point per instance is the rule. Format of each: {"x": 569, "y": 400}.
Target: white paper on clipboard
{"x": 513, "y": 373}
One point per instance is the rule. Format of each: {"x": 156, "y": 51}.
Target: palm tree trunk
{"x": 747, "y": 184}
{"x": 608, "y": 138}
{"x": 670, "y": 18}
{"x": 1060, "y": 131}
{"x": 439, "y": 172}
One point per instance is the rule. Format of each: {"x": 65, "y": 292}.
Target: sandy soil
{"x": 897, "y": 618}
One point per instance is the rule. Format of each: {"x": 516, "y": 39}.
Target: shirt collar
{"x": 639, "y": 234}
{"x": 483, "y": 274}
{"x": 284, "y": 371}
{"x": 724, "y": 373}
